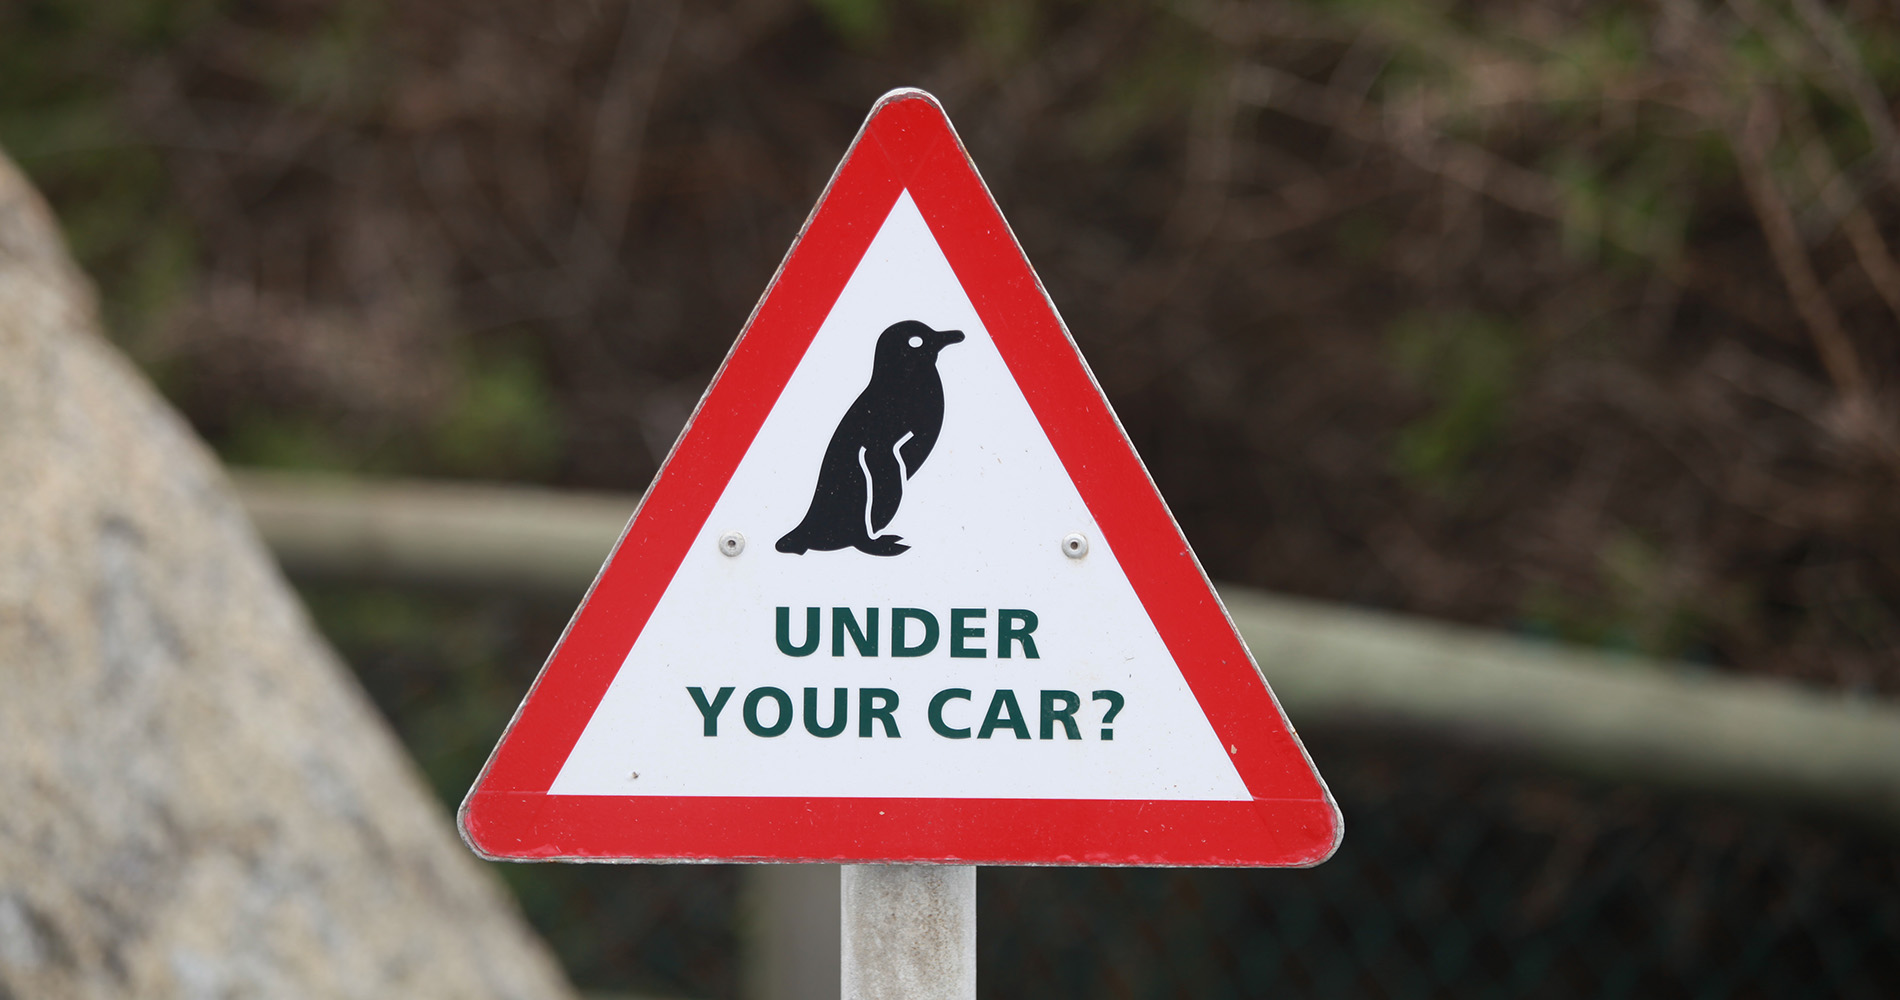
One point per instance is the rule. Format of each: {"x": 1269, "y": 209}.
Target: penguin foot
{"x": 793, "y": 544}
{"x": 883, "y": 545}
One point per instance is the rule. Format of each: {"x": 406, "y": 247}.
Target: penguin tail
{"x": 793, "y": 542}
{"x": 883, "y": 545}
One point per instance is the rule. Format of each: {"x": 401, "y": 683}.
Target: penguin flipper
{"x": 883, "y": 545}
{"x": 917, "y": 448}
{"x": 884, "y": 475}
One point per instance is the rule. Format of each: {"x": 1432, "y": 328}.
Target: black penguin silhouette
{"x": 882, "y": 441}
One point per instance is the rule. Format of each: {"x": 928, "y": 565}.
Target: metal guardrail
{"x": 1619, "y": 718}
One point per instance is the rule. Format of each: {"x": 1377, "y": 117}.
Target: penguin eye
{"x": 916, "y": 341}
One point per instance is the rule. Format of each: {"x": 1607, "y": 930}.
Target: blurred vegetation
{"x": 1430, "y": 306}
{"x": 1467, "y": 366}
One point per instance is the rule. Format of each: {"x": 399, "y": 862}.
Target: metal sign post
{"x": 909, "y": 932}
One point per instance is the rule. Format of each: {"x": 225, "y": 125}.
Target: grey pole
{"x": 909, "y": 932}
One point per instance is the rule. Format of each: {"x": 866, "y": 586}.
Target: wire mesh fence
{"x": 1465, "y": 872}
{"x": 1465, "y": 875}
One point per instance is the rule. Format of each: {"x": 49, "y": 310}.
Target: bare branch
{"x": 1407, "y": 131}
{"x": 1751, "y": 143}
{"x": 1857, "y": 223}
{"x": 1845, "y": 63}
{"x": 620, "y": 124}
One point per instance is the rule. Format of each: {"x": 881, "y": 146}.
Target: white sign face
{"x": 957, "y": 651}
{"x": 903, "y": 592}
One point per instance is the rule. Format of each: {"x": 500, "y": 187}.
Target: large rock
{"x": 196, "y": 800}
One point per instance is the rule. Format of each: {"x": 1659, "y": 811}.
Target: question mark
{"x": 1114, "y": 699}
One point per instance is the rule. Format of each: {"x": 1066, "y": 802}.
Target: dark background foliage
{"x": 1570, "y": 318}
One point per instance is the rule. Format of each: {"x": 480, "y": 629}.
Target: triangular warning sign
{"x": 903, "y": 592}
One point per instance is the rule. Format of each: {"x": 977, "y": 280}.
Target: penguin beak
{"x": 951, "y": 336}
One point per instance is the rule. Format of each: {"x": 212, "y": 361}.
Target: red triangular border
{"x": 906, "y": 143}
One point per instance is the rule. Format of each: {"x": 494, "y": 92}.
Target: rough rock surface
{"x": 195, "y": 798}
